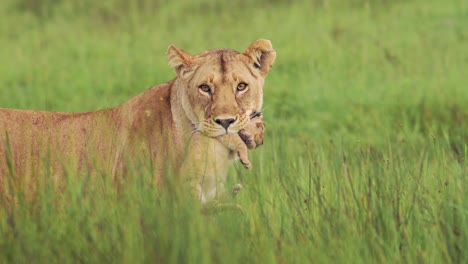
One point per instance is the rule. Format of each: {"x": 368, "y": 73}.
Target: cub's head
{"x": 221, "y": 88}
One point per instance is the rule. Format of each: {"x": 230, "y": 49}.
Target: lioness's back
{"x": 26, "y": 136}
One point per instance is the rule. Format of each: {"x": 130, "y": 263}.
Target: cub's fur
{"x": 191, "y": 124}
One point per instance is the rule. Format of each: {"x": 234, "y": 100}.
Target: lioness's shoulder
{"x": 159, "y": 94}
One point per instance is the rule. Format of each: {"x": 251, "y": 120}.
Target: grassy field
{"x": 365, "y": 158}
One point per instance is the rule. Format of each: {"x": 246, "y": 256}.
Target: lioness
{"x": 194, "y": 123}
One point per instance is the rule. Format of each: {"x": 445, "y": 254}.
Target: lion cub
{"x": 248, "y": 138}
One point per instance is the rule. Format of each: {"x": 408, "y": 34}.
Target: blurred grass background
{"x": 367, "y": 129}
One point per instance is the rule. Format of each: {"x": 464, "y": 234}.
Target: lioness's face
{"x": 221, "y": 87}
{"x": 222, "y": 92}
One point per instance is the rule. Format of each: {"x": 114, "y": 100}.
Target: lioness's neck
{"x": 182, "y": 123}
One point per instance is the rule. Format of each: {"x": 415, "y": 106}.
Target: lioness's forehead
{"x": 217, "y": 52}
{"x": 225, "y": 64}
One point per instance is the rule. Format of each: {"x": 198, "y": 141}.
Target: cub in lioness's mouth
{"x": 194, "y": 123}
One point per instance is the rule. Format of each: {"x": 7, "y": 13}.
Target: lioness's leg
{"x": 205, "y": 167}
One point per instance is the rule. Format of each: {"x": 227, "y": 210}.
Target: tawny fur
{"x": 172, "y": 125}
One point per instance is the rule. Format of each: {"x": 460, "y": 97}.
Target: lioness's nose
{"x": 225, "y": 122}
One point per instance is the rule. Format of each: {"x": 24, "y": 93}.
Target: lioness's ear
{"x": 179, "y": 60}
{"x": 263, "y": 55}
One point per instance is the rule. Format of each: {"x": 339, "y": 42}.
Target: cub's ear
{"x": 263, "y": 55}
{"x": 179, "y": 60}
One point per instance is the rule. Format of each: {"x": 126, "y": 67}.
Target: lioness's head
{"x": 221, "y": 88}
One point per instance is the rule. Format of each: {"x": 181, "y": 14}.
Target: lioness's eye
{"x": 204, "y": 88}
{"x": 241, "y": 87}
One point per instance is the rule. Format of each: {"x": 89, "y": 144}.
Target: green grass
{"x": 365, "y": 158}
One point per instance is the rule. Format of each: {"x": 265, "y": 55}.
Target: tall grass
{"x": 367, "y": 129}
